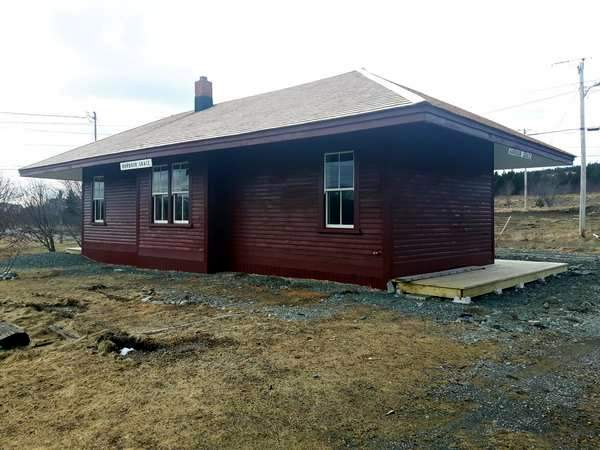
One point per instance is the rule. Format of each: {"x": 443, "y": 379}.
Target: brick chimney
{"x": 203, "y": 98}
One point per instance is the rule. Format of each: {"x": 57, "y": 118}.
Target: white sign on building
{"x": 139, "y": 164}
{"x": 519, "y": 153}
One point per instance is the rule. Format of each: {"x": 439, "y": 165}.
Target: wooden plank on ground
{"x": 511, "y": 282}
{"x": 442, "y": 273}
{"x": 503, "y": 274}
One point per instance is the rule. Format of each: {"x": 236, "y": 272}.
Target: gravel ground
{"x": 550, "y": 333}
{"x": 567, "y": 304}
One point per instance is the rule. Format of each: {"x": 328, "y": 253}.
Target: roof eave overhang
{"x": 421, "y": 112}
{"x": 464, "y": 125}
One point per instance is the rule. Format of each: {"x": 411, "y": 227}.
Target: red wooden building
{"x": 351, "y": 178}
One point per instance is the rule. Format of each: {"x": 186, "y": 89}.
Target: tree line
{"x": 562, "y": 180}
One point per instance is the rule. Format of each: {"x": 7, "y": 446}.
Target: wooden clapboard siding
{"x": 423, "y": 196}
{"x": 441, "y": 206}
{"x": 275, "y": 203}
{"x": 128, "y": 235}
{"x": 174, "y": 246}
{"x": 118, "y": 234}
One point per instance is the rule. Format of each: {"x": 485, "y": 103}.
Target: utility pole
{"x": 95, "y": 119}
{"x": 583, "y": 180}
{"x": 525, "y": 189}
{"x": 525, "y": 181}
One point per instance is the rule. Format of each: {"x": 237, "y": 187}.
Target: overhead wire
{"x": 530, "y": 102}
{"x": 66, "y": 132}
{"x": 64, "y": 116}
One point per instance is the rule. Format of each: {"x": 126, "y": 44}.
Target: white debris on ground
{"x": 126, "y": 350}
{"x": 7, "y": 276}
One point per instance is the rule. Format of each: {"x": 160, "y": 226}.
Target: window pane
{"x": 180, "y": 178}
{"x": 346, "y": 170}
{"x": 160, "y": 180}
{"x": 98, "y": 210}
{"x": 161, "y": 208}
{"x": 181, "y": 207}
{"x": 186, "y": 208}
{"x": 178, "y": 208}
{"x": 98, "y": 188}
{"x": 331, "y": 171}
{"x": 347, "y": 207}
{"x": 333, "y": 207}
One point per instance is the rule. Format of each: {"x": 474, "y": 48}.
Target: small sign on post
{"x": 139, "y": 164}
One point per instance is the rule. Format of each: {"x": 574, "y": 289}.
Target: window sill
{"x": 98, "y": 224}
{"x": 333, "y": 230}
{"x": 171, "y": 225}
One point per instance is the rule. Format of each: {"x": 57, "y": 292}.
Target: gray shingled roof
{"x": 472, "y": 116}
{"x": 339, "y": 96}
{"x": 348, "y": 94}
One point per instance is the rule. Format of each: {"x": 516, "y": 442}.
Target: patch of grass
{"x": 239, "y": 377}
{"x": 243, "y": 381}
{"x": 549, "y": 228}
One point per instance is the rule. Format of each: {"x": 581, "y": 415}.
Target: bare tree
{"x": 41, "y": 213}
{"x": 547, "y": 189}
{"x": 508, "y": 190}
{"x": 7, "y": 195}
{"x": 71, "y": 213}
{"x": 11, "y": 240}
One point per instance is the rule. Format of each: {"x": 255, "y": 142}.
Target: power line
{"x": 562, "y": 85}
{"x": 64, "y": 116}
{"x": 103, "y": 125}
{"x": 14, "y": 122}
{"x": 564, "y": 130}
{"x": 66, "y": 132}
{"x": 530, "y": 102}
{"x": 53, "y": 145}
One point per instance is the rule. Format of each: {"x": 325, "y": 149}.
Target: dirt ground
{"x": 247, "y": 361}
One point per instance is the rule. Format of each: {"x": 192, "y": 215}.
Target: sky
{"x": 133, "y": 62}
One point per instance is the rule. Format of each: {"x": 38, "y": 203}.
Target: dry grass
{"x": 245, "y": 381}
{"x": 549, "y": 228}
{"x": 562, "y": 201}
{"x": 32, "y": 248}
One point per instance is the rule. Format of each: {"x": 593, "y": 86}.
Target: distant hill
{"x": 562, "y": 180}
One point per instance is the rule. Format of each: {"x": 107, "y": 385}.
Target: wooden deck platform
{"x": 466, "y": 283}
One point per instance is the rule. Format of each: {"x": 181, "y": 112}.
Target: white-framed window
{"x": 98, "y": 199}
{"x": 338, "y": 189}
{"x": 180, "y": 192}
{"x": 160, "y": 194}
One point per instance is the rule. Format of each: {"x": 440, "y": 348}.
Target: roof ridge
{"x": 473, "y": 116}
{"x": 409, "y": 94}
{"x": 352, "y": 93}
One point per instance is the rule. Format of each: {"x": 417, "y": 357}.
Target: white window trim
{"x": 162, "y": 167}
{"x": 95, "y": 200}
{"x": 154, "y": 219}
{"x": 326, "y": 189}
{"x": 186, "y": 192}
{"x": 173, "y": 200}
